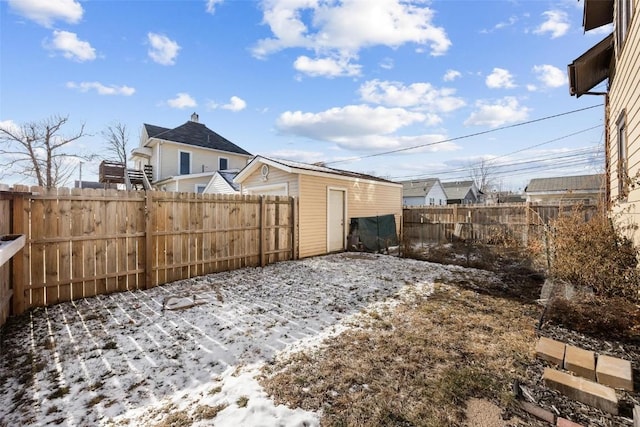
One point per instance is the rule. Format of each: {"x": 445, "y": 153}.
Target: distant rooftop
{"x": 567, "y": 183}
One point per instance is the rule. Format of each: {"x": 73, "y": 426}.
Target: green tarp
{"x": 375, "y": 233}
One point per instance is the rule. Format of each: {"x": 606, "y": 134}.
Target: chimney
{"x": 194, "y": 117}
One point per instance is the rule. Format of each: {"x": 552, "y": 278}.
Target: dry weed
{"x": 455, "y": 345}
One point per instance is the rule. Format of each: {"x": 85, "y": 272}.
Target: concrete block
{"x": 614, "y": 372}
{"x": 563, "y": 422}
{"x": 538, "y": 412}
{"x": 577, "y": 388}
{"x": 550, "y": 350}
{"x": 581, "y": 362}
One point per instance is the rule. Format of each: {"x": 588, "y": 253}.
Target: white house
{"x": 423, "y": 192}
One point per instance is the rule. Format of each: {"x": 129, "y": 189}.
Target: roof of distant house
{"x": 457, "y": 190}
{"x": 567, "y": 183}
{"x": 418, "y": 188}
{"x": 228, "y": 176}
{"x": 194, "y": 133}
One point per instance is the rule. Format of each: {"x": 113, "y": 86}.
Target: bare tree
{"x": 117, "y": 137}
{"x": 482, "y": 174}
{"x": 35, "y": 149}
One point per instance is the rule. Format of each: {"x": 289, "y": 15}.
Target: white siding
{"x": 219, "y": 185}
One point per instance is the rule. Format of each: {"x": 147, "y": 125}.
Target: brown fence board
{"x": 85, "y": 242}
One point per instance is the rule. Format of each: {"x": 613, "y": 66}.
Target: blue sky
{"x": 316, "y": 80}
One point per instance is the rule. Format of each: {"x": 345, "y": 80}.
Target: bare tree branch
{"x": 117, "y": 137}
{"x": 482, "y": 174}
{"x": 33, "y": 150}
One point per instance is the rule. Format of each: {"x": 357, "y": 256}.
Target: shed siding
{"x": 199, "y": 157}
{"x": 275, "y": 177}
{"x": 623, "y": 96}
{"x": 364, "y": 198}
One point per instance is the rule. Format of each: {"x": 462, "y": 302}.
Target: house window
{"x": 624, "y": 12}
{"x": 200, "y": 188}
{"x": 623, "y": 173}
{"x": 223, "y": 163}
{"x": 432, "y": 201}
{"x": 185, "y": 162}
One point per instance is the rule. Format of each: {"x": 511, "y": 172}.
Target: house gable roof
{"x": 458, "y": 190}
{"x": 196, "y": 134}
{"x": 228, "y": 176}
{"x": 594, "y": 183}
{"x": 305, "y": 169}
{"x": 418, "y": 188}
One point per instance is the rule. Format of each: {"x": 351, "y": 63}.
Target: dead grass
{"x": 436, "y": 354}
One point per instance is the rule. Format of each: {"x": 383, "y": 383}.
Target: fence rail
{"x": 85, "y": 242}
{"x": 488, "y": 224}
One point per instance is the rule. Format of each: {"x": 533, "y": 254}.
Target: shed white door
{"x": 335, "y": 220}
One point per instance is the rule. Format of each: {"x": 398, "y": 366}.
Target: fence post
{"x": 263, "y": 219}
{"x": 148, "y": 239}
{"x": 20, "y": 269}
{"x": 294, "y": 228}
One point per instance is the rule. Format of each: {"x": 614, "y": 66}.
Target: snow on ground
{"x": 194, "y": 345}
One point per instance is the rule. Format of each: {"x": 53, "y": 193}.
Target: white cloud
{"x": 500, "y": 79}
{"x": 506, "y": 110}
{"x": 163, "y": 50}
{"x": 235, "y": 104}
{"x": 327, "y": 67}
{"x": 182, "y": 100}
{"x": 71, "y": 47}
{"x": 46, "y": 12}
{"x": 500, "y": 25}
{"x": 451, "y": 75}
{"x": 532, "y": 88}
{"x": 10, "y": 126}
{"x": 101, "y": 89}
{"x": 557, "y": 24}
{"x": 211, "y": 5}
{"x": 387, "y": 64}
{"x": 358, "y": 127}
{"x": 550, "y": 76}
{"x": 417, "y": 95}
{"x": 341, "y": 29}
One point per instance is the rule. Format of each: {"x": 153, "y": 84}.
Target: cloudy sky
{"x": 397, "y": 88}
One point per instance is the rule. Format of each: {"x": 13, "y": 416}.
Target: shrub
{"x": 594, "y": 255}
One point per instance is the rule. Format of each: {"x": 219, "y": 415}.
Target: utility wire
{"x": 457, "y": 138}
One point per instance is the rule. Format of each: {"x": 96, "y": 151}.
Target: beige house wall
{"x": 624, "y": 100}
{"x": 167, "y": 159}
{"x": 185, "y": 185}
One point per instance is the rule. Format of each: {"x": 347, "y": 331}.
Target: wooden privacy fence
{"x": 83, "y": 242}
{"x": 492, "y": 224}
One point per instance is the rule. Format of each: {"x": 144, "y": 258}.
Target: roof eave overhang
{"x": 597, "y": 13}
{"x": 590, "y": 68}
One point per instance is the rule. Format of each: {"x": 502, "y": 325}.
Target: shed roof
{"x": 194, "y": 133}
{"x": 567, "y": 183}
{"x": 290, "y": 166}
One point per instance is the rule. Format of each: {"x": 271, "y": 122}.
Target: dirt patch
{"x": 482, "y": 413}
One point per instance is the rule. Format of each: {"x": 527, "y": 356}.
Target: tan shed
{"x": 327, "y": 198}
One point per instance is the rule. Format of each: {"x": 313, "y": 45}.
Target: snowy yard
{"x": 191, "y": 350}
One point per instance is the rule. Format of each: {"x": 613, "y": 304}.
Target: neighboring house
{"x": 586, "y": 189}
{"x": 222, "y": 183}
{"x": 327, "y": 198}
{"x": 615, "y": 58}
{"x": 461, "y": 192}
{"x": 423, "y": 192}
{"x": 187, "y": 157}
{"x": 500, "y": 197}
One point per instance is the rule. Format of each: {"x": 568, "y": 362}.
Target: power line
{"x": 457, "y": 138}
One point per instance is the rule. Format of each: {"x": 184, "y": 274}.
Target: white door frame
{"x": 344, "y": 217}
